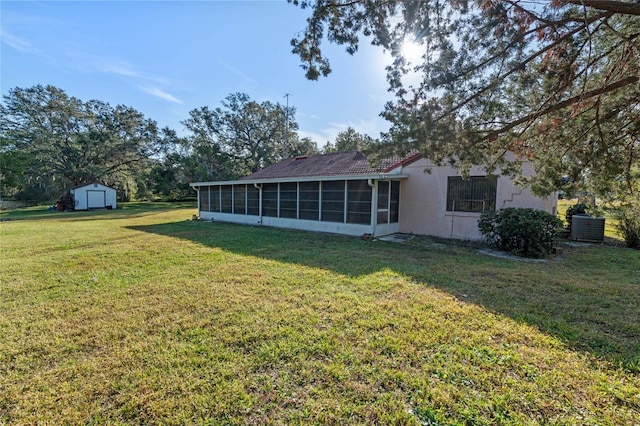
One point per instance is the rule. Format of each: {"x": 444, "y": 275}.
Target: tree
{"x": 64, "y": 139}
{"x": 554, "y": 82}
{"x": 252, "y": 135}
{"x": 349, "y": 140}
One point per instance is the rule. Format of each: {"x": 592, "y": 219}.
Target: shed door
{"x": 96, "y": 199}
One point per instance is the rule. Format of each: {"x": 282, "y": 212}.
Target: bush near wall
{"x": 521, "y": 231}
{"x": 629, "y": 224}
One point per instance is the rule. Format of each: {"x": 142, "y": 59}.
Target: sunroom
{"x": 344, "y": 204}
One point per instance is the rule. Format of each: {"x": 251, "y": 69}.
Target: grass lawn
{"x": 142, "y": 316}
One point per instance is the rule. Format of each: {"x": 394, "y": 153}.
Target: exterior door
{"x": 96, "y": 199}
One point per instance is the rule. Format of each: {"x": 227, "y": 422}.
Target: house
{"x": 94, "y": 196}
{"x": 342, "y": 193}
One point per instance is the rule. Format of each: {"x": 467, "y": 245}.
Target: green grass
{"x": 142, "y": 316}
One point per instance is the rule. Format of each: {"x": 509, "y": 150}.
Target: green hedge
{"x": 521, "y": 231}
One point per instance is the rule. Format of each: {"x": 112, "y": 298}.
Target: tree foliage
{"x": 349, "y": 140}
{"x": 555, "y": 82}
{"x": 243, "y": 136}
{"x": 59, "y": 138}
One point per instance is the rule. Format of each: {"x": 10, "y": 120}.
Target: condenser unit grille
{"x": 587, "y": 228}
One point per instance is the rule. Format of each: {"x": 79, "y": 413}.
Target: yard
{"x": 142, "y": 316}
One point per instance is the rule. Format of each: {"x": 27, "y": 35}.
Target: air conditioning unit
{"x": 587, "y": 228}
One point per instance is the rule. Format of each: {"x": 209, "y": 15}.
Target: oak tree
{"x": 63, "y": 139}
{"x": 252, "y": 134}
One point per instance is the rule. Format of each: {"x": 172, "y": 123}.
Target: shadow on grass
{"x": 589, "y": 299}
{"x": 124, "y": 210}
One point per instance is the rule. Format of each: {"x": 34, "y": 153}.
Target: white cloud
{"x": 154, "y": 91}
{"x": 17, "y": 42}
{"x": 237, "y": 72}
{"x": 118, "y": 68}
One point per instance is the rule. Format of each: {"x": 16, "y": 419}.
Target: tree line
{"x": 50, "y": 142}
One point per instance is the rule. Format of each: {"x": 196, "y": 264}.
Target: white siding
{"x": 94, "y": 195}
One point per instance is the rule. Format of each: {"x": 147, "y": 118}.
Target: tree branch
{"x": 587, "y": 95}
{"x": 623, "y": 7}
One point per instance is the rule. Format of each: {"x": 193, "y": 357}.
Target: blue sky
{"x": 166, "y": 58}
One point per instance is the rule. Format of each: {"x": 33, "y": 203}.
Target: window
{"x": 309, "y": 200}
{"x": 270, "y": 199}
{"x": 358, "y": 202}
{"x": 289, "y": 200}
{"x": 226, "y": 198}
{"x": 253, "y": 200}
{"x": 239, "y": 199}
{"x": 333, "y": 201}
{"x": 204, "y": 198}
{"x": 476, "y": 194}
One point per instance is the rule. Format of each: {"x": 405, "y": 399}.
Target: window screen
{"x": 289, "y": 200}
{"x": 383, "y": 202}
{"x": 358, "y": 202}
{"x": 333, "y": 201}
{"x": 204, "y": 198}
{"x": 226, "y": 199}
{"x": 270, "y": 199}
{"x": 309, "y": 200}
{"x": 394, "y": 202}
{"x": 214, "y": 198}
{"x": 239, "y": 199}
{"x": 253, "y": 200}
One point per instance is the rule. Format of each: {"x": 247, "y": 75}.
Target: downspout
{"x": 374, "y": 206}
{"x": 258, "y": 186}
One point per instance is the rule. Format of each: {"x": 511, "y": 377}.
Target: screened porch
{"x": 341, "y": 205}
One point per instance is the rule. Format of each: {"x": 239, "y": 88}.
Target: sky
{"x": 166, "y": 58}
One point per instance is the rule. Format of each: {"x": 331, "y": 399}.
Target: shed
{"x": 94, "y": 196}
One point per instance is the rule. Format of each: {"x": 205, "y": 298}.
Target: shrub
{"x": 521, "y": 231}
{"x": 580, "y": 208}
{"x": 629, "y": 225}
{"x": 67, "y": 201}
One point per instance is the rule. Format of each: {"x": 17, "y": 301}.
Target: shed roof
{"x": 91, "y": 184}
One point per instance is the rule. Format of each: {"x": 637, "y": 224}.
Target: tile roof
{"x": 342, "y": 163}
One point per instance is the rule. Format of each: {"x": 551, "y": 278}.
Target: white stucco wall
{"x": 82, "y": 194}
{"x": 423, "y": 198}
{"x": 278, "y": 222}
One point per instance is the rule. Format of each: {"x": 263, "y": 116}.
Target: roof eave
{"x": 375, "y": 176}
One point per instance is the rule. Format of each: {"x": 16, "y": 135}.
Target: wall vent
{"x": 587, "y": 228}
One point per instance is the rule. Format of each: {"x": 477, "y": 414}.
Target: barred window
{"x": 476, "y": 194}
